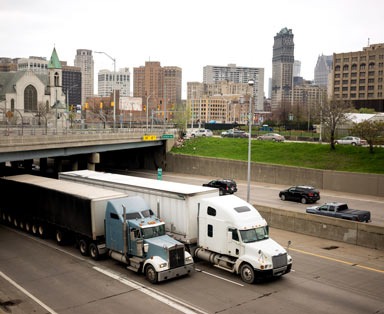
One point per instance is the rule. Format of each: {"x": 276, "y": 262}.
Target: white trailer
{"x": 175, "y": 203}
{"x": 224, "y": 230}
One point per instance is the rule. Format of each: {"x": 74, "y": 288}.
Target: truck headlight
{"x": 162, "y": 265}
{"x": 189, "y": 259}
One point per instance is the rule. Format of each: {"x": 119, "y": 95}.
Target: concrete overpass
{"x": 22, "y": 148}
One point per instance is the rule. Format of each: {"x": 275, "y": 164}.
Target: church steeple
{"x": 54, "y": 62}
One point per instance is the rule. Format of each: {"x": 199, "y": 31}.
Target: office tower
{"x": 322, "y": 71}
{"x": 72, "y": 84}
{"x": 358, "y": 77}
{"x": 84, "y": 60}
{"x": 296, "y": 68}
{"x": 282, "y": 68}
{"x": 232, "y": 73}
{"x": 105, "y": 82}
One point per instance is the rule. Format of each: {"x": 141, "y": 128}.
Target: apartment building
{"x": 358, "y": 77}
{"x": 159, "y": 87}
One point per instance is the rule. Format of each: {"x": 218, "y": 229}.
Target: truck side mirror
{"x": 146, "y": 246}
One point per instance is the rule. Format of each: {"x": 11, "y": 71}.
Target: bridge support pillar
{"x": 93, "y": 159}
{"x": 43, "y": 165}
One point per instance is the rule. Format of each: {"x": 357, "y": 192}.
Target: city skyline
{"x": 207, "y": 33}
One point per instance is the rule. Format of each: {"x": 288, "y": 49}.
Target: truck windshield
{"x": 153, "y": 232}
{"x": 253, "y": 235}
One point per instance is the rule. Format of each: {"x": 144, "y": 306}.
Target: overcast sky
{"x": 188, "y": 34}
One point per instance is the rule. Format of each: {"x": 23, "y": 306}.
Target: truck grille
{"x": 279, "y": 260}
{"x": 176, "y": 256}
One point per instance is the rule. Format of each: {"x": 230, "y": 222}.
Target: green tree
{"x": 370, "y": 131}
{"x": 332, "y": 114}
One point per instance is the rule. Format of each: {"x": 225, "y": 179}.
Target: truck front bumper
{"x": 176, "y": 272}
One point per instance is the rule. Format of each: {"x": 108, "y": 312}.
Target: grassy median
{"x": 309, "y": 155}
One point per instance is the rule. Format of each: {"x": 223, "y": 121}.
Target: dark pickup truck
{"x": 340, "y": 210}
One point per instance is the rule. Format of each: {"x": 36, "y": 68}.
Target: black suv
{"x": 226, "y": 186}
{"x": 300, "y": 193}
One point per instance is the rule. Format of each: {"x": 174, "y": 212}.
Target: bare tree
{"x": 370, "y": 131}
{"x": 332, "y": 114}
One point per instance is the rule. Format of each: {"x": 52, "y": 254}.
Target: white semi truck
{"x": 223, "y": 230}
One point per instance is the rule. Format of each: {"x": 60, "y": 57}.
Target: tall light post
{"x": 250, "y": 84}
{"x": 114, "y": 89}
{"x": 147, "y": 110}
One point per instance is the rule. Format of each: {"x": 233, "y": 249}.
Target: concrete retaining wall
{"x": 340, "y": 230}
{"x": 360, "y": 183}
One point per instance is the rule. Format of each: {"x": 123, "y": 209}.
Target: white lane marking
{"x": 219, "y": 277}
{"x": 153, "y": 294}
{"x": 27, "y": 293}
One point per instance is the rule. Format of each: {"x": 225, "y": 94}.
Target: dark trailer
{"x": 40, "y": 204}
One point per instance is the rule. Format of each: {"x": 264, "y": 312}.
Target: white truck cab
{"x": 234, "y": 236}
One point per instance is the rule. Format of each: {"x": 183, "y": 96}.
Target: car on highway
{"x": 234, "y": 133}
{"x": 300, "y": 193}
{"x": 202, "y": 133}
{"x": 226, "y": 186}
{"x": 351, "y": 140}
{"x": 340, "y": 210}
{"x": 271, "y": 137}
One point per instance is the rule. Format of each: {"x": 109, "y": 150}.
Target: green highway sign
{"x": 167, "y": 136}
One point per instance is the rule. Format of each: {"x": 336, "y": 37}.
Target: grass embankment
{"x": 308, "y": 155}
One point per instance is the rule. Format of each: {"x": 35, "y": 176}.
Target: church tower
{"x": 55, "y": 79}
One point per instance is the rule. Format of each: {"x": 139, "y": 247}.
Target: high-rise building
{"x": 159, "y": 87}
{"x": 84, "y": 60}
{"x": 323, "y": 69}
{"x": 105, "y": 82}
{"x": 296, "y": 68}
{"x": 358, "y": 77}
{"x": 71, "y": 84}
{"x": 232, "y": 73}
{"x": 282, "y": 67}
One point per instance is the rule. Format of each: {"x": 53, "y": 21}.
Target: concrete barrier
{"x": 357, "y": 233}
{"x": 360, "y": 183}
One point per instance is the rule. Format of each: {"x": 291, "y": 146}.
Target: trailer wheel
{"x": 27, "y": 227}
{"x": 83, "y": 247}
{"x": 21, "y": 224}
{"x": 94, "y": 251}
{"x": 247, "y": 273}
{"x": 41, "y": 231}
{"x": 60, "y": 236}
{"x": 151, "y": 274}
{"x": 15, "y": 223}
{"x": 34, "y": 229}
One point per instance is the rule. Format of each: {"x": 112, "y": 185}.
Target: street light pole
{"x": 250, "y": 84}
{"x": 114, "y": 87}
{"x": 147, "y": 110}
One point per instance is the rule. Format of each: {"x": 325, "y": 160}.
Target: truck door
{"x": 233, "y": 242}
{"x": 114, "y": 233}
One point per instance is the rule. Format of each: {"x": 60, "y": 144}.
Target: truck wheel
{"x": 83, "y": 247}
{"x": 282, "y": 197}
{"x": 151, "y": 274}
{"x": 247, "y": 273}
{"x": 94, "y": 251}
{"x": 303, "y": 200}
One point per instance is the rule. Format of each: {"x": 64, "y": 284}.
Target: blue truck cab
{"x": 136, "y": 237}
